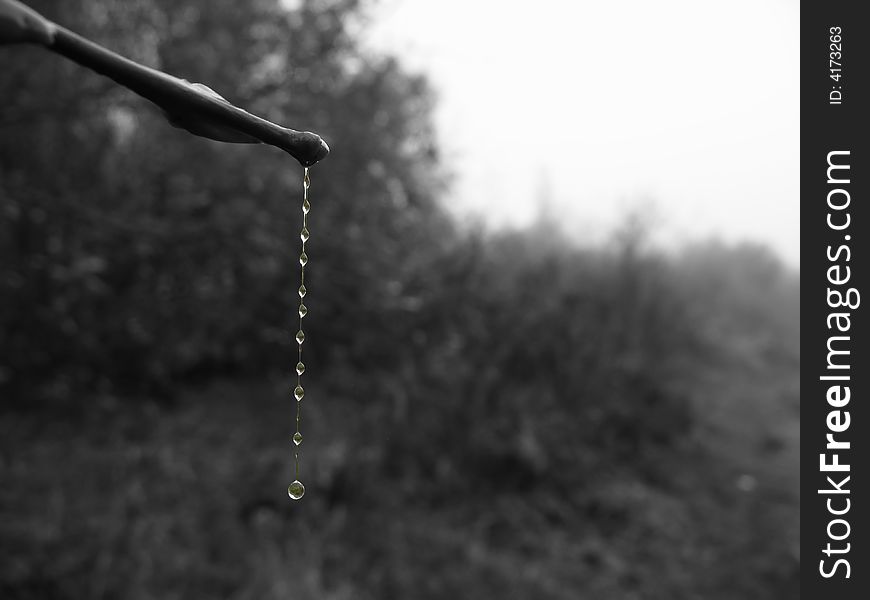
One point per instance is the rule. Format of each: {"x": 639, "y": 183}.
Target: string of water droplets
{"x": 296, "y": 490}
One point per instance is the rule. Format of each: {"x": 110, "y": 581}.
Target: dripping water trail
{"x": 296, "y": 489}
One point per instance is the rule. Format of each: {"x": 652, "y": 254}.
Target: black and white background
{"x": 554, "y": 343}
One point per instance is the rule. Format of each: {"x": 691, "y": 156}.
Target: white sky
{"x": 689, "y": 107}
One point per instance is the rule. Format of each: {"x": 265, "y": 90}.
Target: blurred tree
{"x": 144, "y": 254}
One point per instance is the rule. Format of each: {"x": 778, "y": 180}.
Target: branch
{"x": 191, "y": 106}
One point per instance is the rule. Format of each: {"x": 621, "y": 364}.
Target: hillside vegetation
{"x": 486, "y": 415}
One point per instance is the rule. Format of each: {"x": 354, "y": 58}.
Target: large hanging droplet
{"x": 299, "y": 392}
{"x": 297, "y": 438}
{"x": 302, "y": 291}
{"x": 303, "y": 310}
{"x": 300, "y": 368}
{"x": 303, "y": 259}
{"x": 304, "y": 234}
{"x": 306, "y": 207}
{"x": 296, "y": 490}
{"x": 300, "y": 337}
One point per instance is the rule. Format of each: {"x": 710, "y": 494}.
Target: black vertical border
{"x": 826, "y": 127}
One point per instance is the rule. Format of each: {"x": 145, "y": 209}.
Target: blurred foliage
{"x": 133, "y": 253}
{"x": 522, "y": 415}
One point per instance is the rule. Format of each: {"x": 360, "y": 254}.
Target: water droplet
{"x": 296, "y": 490}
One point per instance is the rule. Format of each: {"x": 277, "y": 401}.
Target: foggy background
{"x": 552, "y": 344}
{"x": 686, "y": 109}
